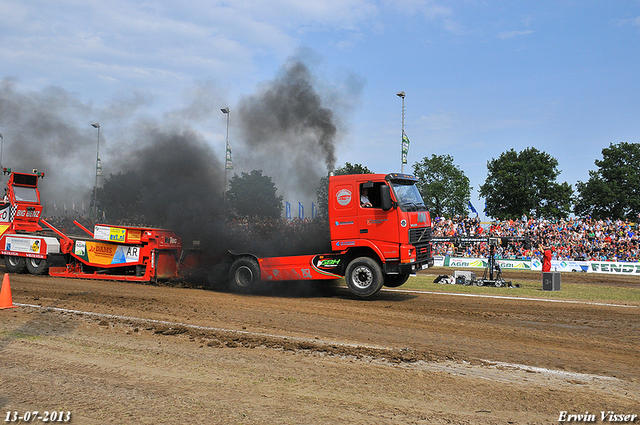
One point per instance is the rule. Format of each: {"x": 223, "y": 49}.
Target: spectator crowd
{"x": 583, "y": 239}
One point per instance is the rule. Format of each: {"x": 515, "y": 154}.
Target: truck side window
{"x": 364, "y": 197}
{"x": 370, "y": 196}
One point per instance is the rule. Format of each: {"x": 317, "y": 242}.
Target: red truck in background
{"x": 372, "y": 245}
{"x": 109, "y": 252}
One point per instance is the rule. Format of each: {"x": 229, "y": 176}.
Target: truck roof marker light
{"x": 6, "y": 170}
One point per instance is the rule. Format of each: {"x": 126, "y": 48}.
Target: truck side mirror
{"x": 385, "y": 198}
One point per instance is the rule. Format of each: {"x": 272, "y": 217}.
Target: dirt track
{"x": 159, "y": 354}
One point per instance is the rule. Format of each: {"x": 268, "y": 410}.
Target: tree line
{"x": 525, "y": 183}
{"x": 517, "y": 184}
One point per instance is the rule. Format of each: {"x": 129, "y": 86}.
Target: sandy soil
{"x": 111, "y": 352}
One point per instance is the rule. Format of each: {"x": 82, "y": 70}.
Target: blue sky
{"x": 481, "y": 77}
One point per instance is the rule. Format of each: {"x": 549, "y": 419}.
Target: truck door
{"x": 374, "y": 223}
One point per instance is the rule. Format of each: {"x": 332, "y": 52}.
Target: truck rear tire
{"x": 14, "y": 264}
{"x": 395, "y": 280}
{"x": 37, "y": 266}
{"x": 244, "y": 275}
{"x": 364, "y": 277}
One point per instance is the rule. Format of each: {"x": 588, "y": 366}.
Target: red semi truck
{"x": 372, "y": 245}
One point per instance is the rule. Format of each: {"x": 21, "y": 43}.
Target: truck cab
{"x": 380, "y": 232}
{"x": 393, "y": 227}
{"x": 20, "y": 207}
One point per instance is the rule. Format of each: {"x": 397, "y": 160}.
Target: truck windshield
{"x": 408, "y": 196}
{"x": 25, "y": 194}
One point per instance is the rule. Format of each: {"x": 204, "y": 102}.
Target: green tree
{"x": 253, "y": 195}
{"x": 322, "y": 191}
{"x": 612, "y": 191}
{"x": 443, "y": 185}
{"x": 524, "y": 182}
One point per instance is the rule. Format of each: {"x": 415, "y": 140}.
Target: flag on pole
{"x": 300, "y": 210}
{"x": 288, "y": 210}
{"x": 55, "y": 207}
{"x": 229, "y": 162}
{"x": 472, "y": 208}
{"x": 405, "y": 147}
{"x": 64, "y": 204}
{"x": 314, "y": 211}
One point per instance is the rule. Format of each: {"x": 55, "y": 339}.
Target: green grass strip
{"x": 533, "y": 289}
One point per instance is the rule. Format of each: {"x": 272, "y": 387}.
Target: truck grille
{"x": 421, "y": 238}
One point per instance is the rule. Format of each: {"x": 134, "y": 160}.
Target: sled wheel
{"x": 37, "y": 266}
{"x": 395, "y": 280}
{"x": 364, "y": 277}
{"x": 14, "y": 264}
{"x": 244, "y": 275}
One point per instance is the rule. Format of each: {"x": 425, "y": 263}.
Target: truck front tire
{"x": 395, "y": 280}
{"x": 37, "y": 266}
{"x": 244, "y": 275}
{"x": 364, "y": 277}
{"x": 14, "y": 264}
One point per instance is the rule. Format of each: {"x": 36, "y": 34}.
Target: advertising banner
{"x": 104, "y": 254}
{"x": 610, "y": 267}
{"x": 108, "y": 233}
{"x": 505, "y": 264}
{"x": 28, "y": 245}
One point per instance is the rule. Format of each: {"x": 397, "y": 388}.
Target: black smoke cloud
{"x": 40, "y": 132}
{"x": 51, "y": 131}
{"x": 181, "y": 182}
{"x": 288, "y": 131}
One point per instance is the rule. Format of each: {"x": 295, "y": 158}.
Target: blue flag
{"x": 314, "y": 211}
{"x": 472, "y": 208}
{"x": 300, "y": 211}
{"x": 288, "y": 210}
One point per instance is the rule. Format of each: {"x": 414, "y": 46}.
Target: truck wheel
{"x": 37, "y": 266}
{"x": 244, "y": 275}
{"x": 364, "y": 277}
{"x": 14, "y": 264}
{"x": 395, "y": 280}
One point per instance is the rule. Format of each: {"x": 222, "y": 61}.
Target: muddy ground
{"x": 116, "y": 353}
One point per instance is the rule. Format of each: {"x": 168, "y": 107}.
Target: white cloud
{"x": 440, "y": 121}
{"x": 428, "y": 8}
{"x": 633, "y": 21}
{"x": 431, "y": 10}
{"x": 511, "y": 34}
{"x": 127, "y": 38}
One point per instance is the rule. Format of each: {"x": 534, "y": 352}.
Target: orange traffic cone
{"x": 5, "y": 294}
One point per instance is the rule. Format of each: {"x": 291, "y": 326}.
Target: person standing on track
{"x": 546, "y": 258}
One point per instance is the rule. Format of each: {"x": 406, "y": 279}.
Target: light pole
{"x": 227, "y": 162}
{"x": 402, "y": 151}
{"x": 98, "y": 166}
{"x": 1, "y": 167}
